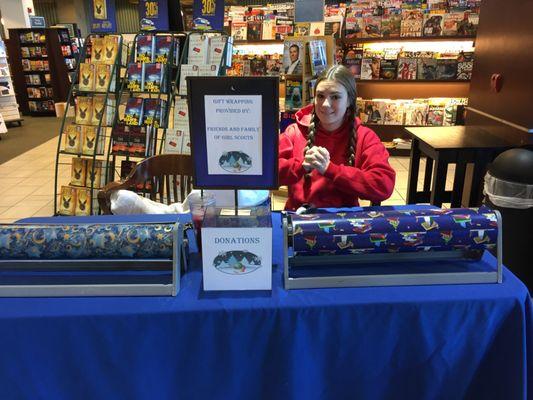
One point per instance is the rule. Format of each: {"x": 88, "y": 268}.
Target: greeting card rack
{"x": 205, "y": 53}
{"x": 144, "y": 101}
{"x": 92, "y": 101}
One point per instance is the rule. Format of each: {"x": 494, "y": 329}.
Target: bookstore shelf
{"x": 363, "y": 40}
{"x": 9, "y": 109}
{"x": 84, "y": 141}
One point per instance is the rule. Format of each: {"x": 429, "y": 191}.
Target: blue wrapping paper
{"x": 96, "y": 241}
{"x": 393, "y": 231}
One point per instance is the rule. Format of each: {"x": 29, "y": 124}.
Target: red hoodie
{"x": 372, "y": 178}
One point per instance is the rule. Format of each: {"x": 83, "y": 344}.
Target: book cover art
{"x": 317, "y": 56}
{"x": 416, "y": 113}
{"x": 239, "y": 30}
{"x": 316, "y": 28}
{"x": 111, "y": 44}
{"x": 372, "y": 110}
{"x": 152, "y": 112}
{"x": 406, "y": 68}
{"x": 138, "y": 139}
{"x": 450, "y": 22}
{"x": 89, "y": 140}
{"x": 391, "y": 23}
{"x": 73, "y": 138}
{"x": 293, "y": 94}
{"x": 427, "y": 69}
{"x": 393, "y": 113}
{"x": 388, "y": 69}
{"x": 84, "y": 110}
{"x": 135, "y": 77}
{"x": 83, "y": 202}
{"x": 163, "y": 47}
{"x": 67, "y": 200}
{"x": 435, "y": 116}
{"x": 98, "y": 110}
{"x": 217, "y": 45}
{"x": 372, "y": 26}
{"x": 446, "y": 69}
{"x": 198, "y": 49}
{"x": 187, "y": 70}
{"x": 412, "y": 23}
{"x": 173, "y": 141}
{"x": 284, "y": 27}
{"x": 267, "y": 31}
{"x": 153, "y": 77}
{"x": 333, "y": 26}
{"x": 134, "y": 111}
{"x": 253, "y": 30}
{"x": 465, "y": 65}
{"x": 208, "y": 70}
{"x": 86, "y": 82}
{"x": 78, "y": 171}
{"x": 103, "y": 78}
{"x": 95, "y": 177}
{"x": 181, "y": 114}
{"x": 301, "y": 29}
{"x": 366, "y": 69}
{"x": 97, "y": 49}
{"x": 258, "y": 67}
{"x": 293, "y": 53}
{"x": 468, "y": 25}
{"x": 273, "y": 66}
{"x": 99, "y": 9}
{"x": 145, "y": 49}
{"x": 433, "y": 25}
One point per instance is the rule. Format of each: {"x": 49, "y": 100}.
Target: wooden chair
{"x": 165, "y": 178}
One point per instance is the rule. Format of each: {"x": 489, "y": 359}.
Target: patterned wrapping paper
{"x": 394, "y": 231}
{"x": 95, "y": 241}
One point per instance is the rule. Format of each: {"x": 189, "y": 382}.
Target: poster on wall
{"x": 154, "y": 15}
{"x": 209, "y": 14}
{"x": 103, "y": 16}
{"x": 234, "y": 131}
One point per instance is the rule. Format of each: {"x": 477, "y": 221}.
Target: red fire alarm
{"x": 496, "y": 82}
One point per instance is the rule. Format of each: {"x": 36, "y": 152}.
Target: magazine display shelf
{"x": 9, "y": 109}
{"x": 88, "y": 160}
{"x": 156, "y": 133}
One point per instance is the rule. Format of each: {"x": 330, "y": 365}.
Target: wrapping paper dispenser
{"x": 470, "y": 231}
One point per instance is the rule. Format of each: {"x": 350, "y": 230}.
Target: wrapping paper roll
{"x": 97, "y": 241}
{"x": 394, "y": 231}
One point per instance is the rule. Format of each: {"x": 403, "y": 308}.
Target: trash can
{"x": 509, "y": 189}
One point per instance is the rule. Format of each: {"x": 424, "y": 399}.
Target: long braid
{"x": 353, "y": 136}
{"x": 311, "y": 132}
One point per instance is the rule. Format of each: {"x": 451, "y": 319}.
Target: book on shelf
{"x": 393, "y": 114}
{"x": 67, "y": 200}
{"x": 83, "y": 202}
{"x": 154, "y": 111}
{"x": 302, "y": 29}
{"x": 163, "y": 48}
{"x": 103, "y": 78}
{"x": 239, "y": 30}
{"x": 144, "y": 49}
{"x": 391, "y": 22}
{"x": 317, "y": 56}
{"x": 198, "y": 49}
{"x": 446, "y": 69}
{"x": 208, "y": 70}
{"x": 427, "y": 69}
{"x": 181, "y": 114}
{"x": 89, "y": 136}
{"x": 372, "y": 26}
{"x": 41, "y": 106}
{"x": 135, "y": 77}
{"x": 465, "y": 64}
{"x": 173, "y": 141}
{"x": 97, "y": 49}
{"x": 317, "y": 29}
{"x": 187, "y": 70}
{"x": 95, "y": 177}
{"x": 73, "y": 138}
{"x": 435, "y": 116}
{"x": 468, "y": 25}
{"x": 87, "y": 74}
{"x": 78, "y": 171}
{"x": 388, "y": 69}
{"x": 253, "y": 30}
{"x": 283, "y": 28}
{"x": 333, "y": 26}
{"x": 293, "y": 57}
{"x": 293, "y": 94}
{"x": 412, "y": 23}
{"x": 134, "y": 111}
{"x": 130, "y": 141}
{"x": 433, "y": 25}
{"x": 98, "y": 114}
{"x": 450, "y": 23}
{"x": 406, "y": 68}
{"x": 217, "y": 44}
{"x": 84, "y": 110}
{"x": 154, "y": 75}
{"x": 258, "y": 67}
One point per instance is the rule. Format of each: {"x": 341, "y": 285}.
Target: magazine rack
{"x": 87, "y": 139}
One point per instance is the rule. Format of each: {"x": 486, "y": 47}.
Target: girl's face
{"x": 331, "y": 103}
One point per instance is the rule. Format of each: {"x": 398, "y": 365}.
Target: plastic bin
{"x": 509, "y": 189}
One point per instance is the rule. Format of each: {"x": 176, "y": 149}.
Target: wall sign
{"x": 103, "y": 16}
{"x": 209, "y": 14}
{"x": 37, "y": 22}
{"x": 154, "y": 15}
{"x": 234, "y": 132}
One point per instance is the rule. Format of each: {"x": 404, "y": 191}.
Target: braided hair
{"x": 342, "y": 75}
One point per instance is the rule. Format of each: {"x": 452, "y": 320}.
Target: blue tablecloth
{"x": 427, "y": 342}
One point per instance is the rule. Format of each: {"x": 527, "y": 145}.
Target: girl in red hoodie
{"x": 327, "y": 158}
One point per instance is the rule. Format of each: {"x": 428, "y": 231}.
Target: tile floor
{"x": 27, "y": 183}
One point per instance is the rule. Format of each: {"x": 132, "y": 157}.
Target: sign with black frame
{"x": 234, "y": 128}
